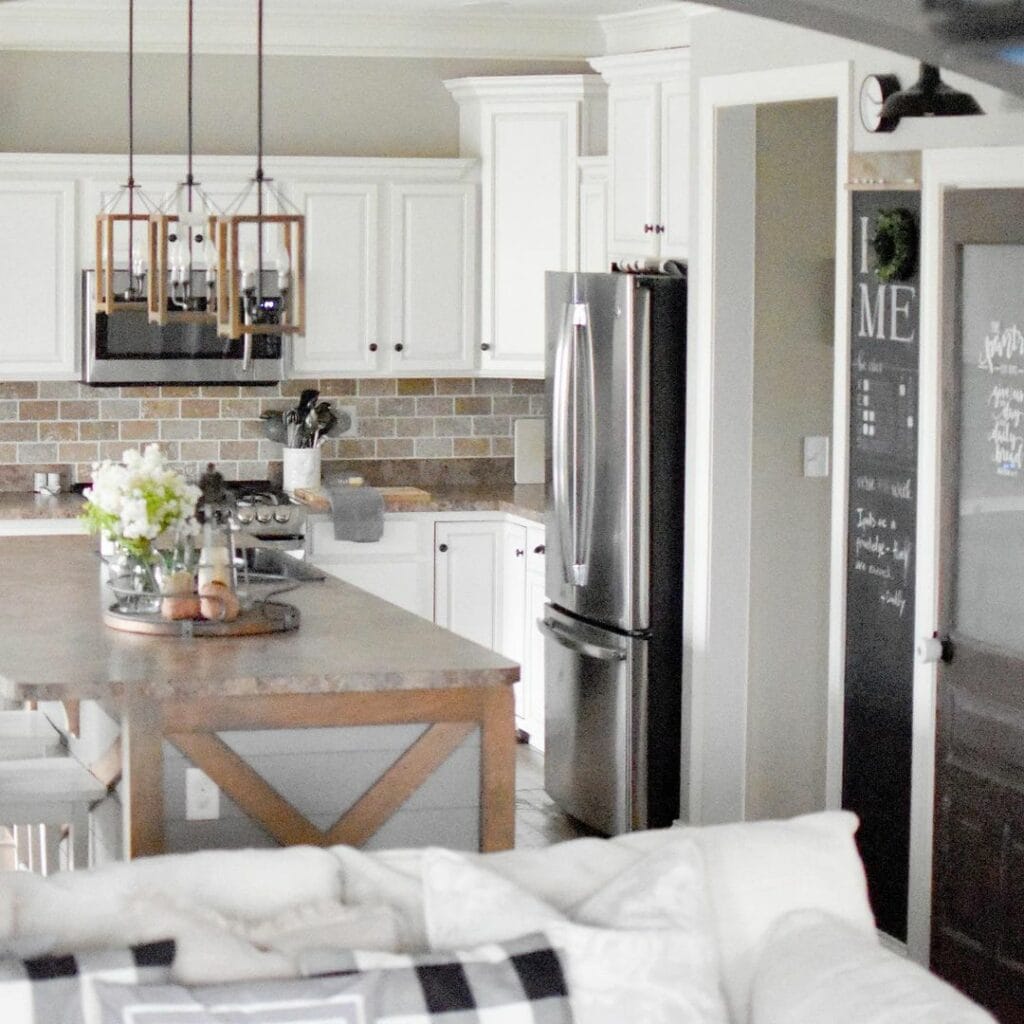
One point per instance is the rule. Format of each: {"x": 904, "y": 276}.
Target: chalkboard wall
{"x": 881, "y": 561}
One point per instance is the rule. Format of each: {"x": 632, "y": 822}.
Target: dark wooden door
{"x": 978, "y": 872}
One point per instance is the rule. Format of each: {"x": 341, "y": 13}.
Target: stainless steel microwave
{"x": 125, "y": 348}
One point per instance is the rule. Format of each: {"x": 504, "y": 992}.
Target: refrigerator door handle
{"x": 574, "y": 643}
{"x": 585, "y": 445}
{"x": 573, "y": 442}
{"x": 561, "y": 390}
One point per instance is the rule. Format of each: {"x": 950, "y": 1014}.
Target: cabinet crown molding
{"x": 650, "y": 65}
{"x": 527, "y": 88}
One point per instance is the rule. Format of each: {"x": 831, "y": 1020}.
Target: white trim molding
{"x": 718, "y": 434}
{"x": 322, "y": 28}
{"x": 941, "y": 171}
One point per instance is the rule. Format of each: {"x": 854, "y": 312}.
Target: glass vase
{"x": 135, "y": 581}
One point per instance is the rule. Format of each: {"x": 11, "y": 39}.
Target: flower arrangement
{"x": 133, "y": 502}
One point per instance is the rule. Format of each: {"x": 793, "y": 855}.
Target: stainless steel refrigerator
{"x": 616, "y": 388}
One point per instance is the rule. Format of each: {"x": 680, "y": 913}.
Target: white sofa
{"x": 759, "y": 923}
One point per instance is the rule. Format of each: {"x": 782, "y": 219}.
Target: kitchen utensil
{"x": 274, "y": 427}
{"x": 306, "y": 401}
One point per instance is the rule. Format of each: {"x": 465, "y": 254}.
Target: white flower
{"x": 133, "y": 502}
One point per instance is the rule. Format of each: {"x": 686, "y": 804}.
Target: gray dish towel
{"x": 358, "y": 512}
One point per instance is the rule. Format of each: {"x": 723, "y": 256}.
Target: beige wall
{"x": 790, "y": 514}
{"x": 77, "y": 103}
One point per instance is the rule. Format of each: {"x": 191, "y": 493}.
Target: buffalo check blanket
{"x": 61, "y": 989}
{"x": 519, "y": 982}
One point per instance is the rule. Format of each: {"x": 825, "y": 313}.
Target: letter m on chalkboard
{"x": 872, "y": 322}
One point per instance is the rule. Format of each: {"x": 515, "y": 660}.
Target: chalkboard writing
{"x": 881, "y": 560}
{"x": 990, "y": 527}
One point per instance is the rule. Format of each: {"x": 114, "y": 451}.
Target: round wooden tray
{"x": 264, "y": 617}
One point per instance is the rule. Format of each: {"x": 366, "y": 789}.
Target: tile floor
{"x": 539, "y": 822}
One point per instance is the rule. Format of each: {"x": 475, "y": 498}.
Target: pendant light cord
{"x": 189, "y": 179}
{"x": 259, "y": 145}
{"x": 131, "y": 131}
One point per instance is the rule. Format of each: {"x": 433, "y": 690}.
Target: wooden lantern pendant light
{"x": 181, "y": 243}
{"x": 261, "y": 278}
{"x": 111, "y": 225}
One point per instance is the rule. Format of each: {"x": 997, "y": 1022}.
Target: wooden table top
{"x": 54, "y": 646}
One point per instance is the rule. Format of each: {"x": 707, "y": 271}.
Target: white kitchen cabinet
{"x": 648, "y": 150}
{"x": 593, "y": 248}
{"x": 468, "y": 566}
{"x": 530, "y": 712}
{"x": 391, "y": 265}
{"x": 342, "y": 279}
{"x": 433, "y": 277}
{"x": 513, "y": 605}
{"x": 527, "y": 132}
{"x": 398, "y": 568}
{"x": 37, "y": 265}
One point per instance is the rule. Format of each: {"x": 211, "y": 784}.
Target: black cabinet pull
{"x": 485, "y": 347}
{"x": 659, "y": 229}
{"x": 399, "y": 347}
{"x": 520, "y": 552}
{"x": 442, "y": 547}
{"x": 648, "y": 228}
{"x": 539, "y": 549}
{"x": 373, "y": 346}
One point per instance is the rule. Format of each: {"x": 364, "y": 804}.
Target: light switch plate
{"x": 202, "y": 796}
{"x": 816, "y": 453}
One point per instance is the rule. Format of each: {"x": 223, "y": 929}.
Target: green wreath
{"x": 895, "y": 244}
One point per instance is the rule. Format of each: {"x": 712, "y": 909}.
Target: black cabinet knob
{"x": 442, "y": 547}
{"x": 373, "y": 346}
{"x": 648, "y": 228}
{"x": 539, "y": 549}
{"x": 659, "y": 229}
{"x": 485, "y": 347}
{"x": 399, "y": 347}
{"x": 520, "y": 552}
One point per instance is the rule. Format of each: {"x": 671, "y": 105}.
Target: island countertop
{"x": 355, "y": 660}
{"x": 54, "y": 645}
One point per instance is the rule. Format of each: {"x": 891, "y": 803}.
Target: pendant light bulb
{"x": 247, "y": 266}
{"x": 284, "y": 267}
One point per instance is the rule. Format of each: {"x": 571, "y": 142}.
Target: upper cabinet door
{"x": 633, "y": 142}
{"x": 342, "y": 274}
{"x": 593, "y": 248}
{"x": 38, "y": 266}
{"x": 649, "y": 153}
{"x": 432, "y": 304}
{"x": 528, "y": 133}
{"x": 674, "y": 198}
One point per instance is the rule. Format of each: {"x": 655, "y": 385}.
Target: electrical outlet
{"x": 342, "y": 411}
{"x": 202, "y": 796}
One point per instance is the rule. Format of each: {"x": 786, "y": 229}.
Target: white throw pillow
{"x": 657, "y": 975}
{"x": 815, "y": 967}
{"x": 759, "y": 871}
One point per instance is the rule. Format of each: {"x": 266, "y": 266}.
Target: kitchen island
{"x": 355, "y": 661}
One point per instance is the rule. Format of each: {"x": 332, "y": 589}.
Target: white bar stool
{"x": 25, "y": 734}
{"x": 51, "y": 792}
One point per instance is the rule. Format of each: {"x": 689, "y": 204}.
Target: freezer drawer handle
{"x": 584, "y": 647}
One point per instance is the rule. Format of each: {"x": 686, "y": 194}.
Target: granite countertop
{"x": 54, "y": 645}
{"x": 26, "y": 505}
{"x": 526, "y": 500}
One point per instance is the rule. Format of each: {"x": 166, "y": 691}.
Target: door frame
{"x": 941, "y": 170}
{"x": 718, "y": 489}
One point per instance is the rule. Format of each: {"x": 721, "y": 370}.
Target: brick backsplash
{"x": 65, "y": 426}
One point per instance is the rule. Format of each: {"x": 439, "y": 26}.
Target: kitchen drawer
{"x": 400, "y": 537}
{"x": 535, "y": 549}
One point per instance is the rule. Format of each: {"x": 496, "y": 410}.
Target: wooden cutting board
{"x": 319, "y": 501}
